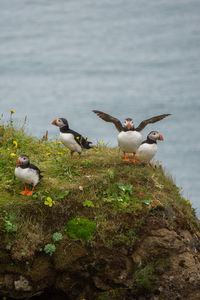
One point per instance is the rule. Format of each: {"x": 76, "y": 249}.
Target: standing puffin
{"x": 71, "y": 139}
{"x": 148, "y": 148}
{"x": 28, "y": 173}
{"x": 129, "y": 137}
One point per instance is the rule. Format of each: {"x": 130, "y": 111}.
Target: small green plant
{"x": 103, "y": 296}
{"x": 8, "y": 247}
{"x": 57, "y": 236}
{"x": 132, "y": 235}
{"x": 88, "y": 203}
{"x": 125, "y": 191}
{"x": 61, "y": 195}
{"x": 49, "y": 249}
{"x": 80, "y": 229}
{"x": 145, "y": 277}
{"x": 8, "y": 222}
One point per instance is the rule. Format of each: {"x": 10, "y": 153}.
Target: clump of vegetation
{"x": 49, "y": 249}
{"x": 57, "y": 236}
{"x": 145, "y": 277}
{"x": 7, "y": 222}
{"x": 80, "y": 229}
{"x": 88, "y": 203}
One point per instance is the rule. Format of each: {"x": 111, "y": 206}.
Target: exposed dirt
{"x": 162, "y": 264}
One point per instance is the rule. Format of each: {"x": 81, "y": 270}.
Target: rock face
{"x": 162, "y": 264}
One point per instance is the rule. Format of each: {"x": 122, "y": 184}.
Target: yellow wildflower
{"x": 78, "y": 137}
{"x": 15, "y": 144}
{"x": 187, "y": 202}
{"x": 57, "y": 142}
{"x": 12, "y": 154}
{"x": 49, "y": 202}
{"x": 48, "y": 153}
{"x": 102, "y": 143}
{"x": 8, "y": 148}
{"x": 59, "y": 153}
{"x": 12, "y": 111}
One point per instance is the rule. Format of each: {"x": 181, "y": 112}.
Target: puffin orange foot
{"x": 126, "y": 159}
{"x": 24, "y": 192}
{"x": 29, "y": 193}
{"x": 135, "y": 161}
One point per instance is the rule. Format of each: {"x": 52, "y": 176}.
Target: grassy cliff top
{"x": 118, "y": 197}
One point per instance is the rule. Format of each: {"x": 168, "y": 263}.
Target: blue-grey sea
{"x": 125, "y": 57}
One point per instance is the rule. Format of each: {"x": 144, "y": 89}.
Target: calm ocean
{"x": 125, "y": 57}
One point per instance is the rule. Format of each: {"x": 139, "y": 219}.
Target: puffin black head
{"x": 23, "y": 160}
{"x": 60, "y": 122}
{"x": 154, "y": 136}
{"x": 128, "y": 124}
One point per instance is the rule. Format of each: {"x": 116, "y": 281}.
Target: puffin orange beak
{"x": 17, "y": 162}
{"x": 161, "y": 137}
{"x": 54, "y": 123}
{"x": 129, "y": 126}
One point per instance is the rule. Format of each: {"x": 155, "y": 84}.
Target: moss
{"x": 80, "y": 228}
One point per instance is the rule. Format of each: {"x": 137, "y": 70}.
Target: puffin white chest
{"x": 147, "y": 151}
{"x": 129, "y": 141}
{"x": 69, "y": 141}
{"x": 27, "y": 175}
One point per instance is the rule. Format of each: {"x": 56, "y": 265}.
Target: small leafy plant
{"x": 57, "y": 236}
{"x": 8, "y": 222}
{"x": 125, "y": 191}
{"x": 88, "y": 203}
{"x": 122, "y": 197}
{"x": 49, "y": 249}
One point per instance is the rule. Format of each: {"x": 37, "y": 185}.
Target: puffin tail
{"x": 87, "y": 145}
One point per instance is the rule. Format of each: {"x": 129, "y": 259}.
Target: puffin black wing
{"x": 144, "y": 123}
{"x": 109, "y": 118}
{"x": 83, "y": 142}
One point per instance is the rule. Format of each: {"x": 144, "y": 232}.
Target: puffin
{"x": 148, "y": 148}
{"x": 28, "y": 173}
{"x": 70, "y": 138}
{"x": 129, "y": 137}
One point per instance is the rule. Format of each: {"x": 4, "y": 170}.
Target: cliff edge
{"x": 94, "y": 228}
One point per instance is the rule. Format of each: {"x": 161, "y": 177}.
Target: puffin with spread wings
{"x": 129, "y": 137}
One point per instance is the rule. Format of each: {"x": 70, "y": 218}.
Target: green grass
{"x": 117, "y": 196}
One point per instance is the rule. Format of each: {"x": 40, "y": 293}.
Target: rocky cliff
{"x": 95, "y": 228}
